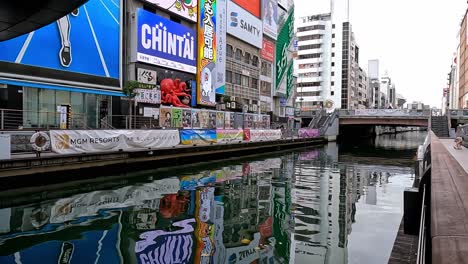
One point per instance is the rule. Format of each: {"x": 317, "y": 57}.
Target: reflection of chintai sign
{"x": 165, "y": 43}
{"x": 245, "y": 254}
{"x": 80, "y": 141}
{"x": 244, "y": 25}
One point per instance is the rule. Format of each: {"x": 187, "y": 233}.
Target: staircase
{"x": 439, "y": 125}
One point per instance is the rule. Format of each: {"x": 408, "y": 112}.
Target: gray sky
{"x": 413, "y": 39}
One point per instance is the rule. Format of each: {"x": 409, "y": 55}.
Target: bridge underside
{"x": 390, "y": 121}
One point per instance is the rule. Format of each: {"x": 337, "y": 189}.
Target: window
{"x": 333, "y": 45}
{"x": 229, "y": 76}
{"x": 247, "y": 58}
{"x": 302, "y": 29}
{"x": 333, "y": 35}
{"x": 245, "y": 81}
{"x": 238, "y": 54}
{"x": 333, "y": 26}
{"x": 254, "y": 83}
{"x": 311, "y": 37}
{"x": 333, "y": 74}
{"x": 237, "y": 78}
{"x": 307, "y": 47}
{"x": 255, "y": 61}
{"x": 308, "y": 84}
{"x": 333, "y": 54}
{"x": 332, "y": 93}
{"x": 332, "y": 83}
{"x": 333, "y": 64}
{"x": 229, "y": 51}
{"x": 310, "y": 56}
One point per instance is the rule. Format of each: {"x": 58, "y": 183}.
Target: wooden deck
{"x": 449, "y": 206}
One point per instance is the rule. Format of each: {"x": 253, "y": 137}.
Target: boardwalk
{"x": 449, "y": 203}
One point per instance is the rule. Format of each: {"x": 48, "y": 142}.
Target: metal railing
{"x": 426, "y": 113}
{"x": 458, "y": 113}
{"x": 11, "y": 119}
{"x": 421, "y": 255}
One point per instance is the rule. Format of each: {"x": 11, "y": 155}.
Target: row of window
{"x": 308, "y": 84}
{"x": 311, "y": 37}
{"x": 310, "y": 74}
{"x": 310, "y": 65}
{"x": 241, "y": 56}
{"x": 312, "y": 46}
{"x": 310, "y": 56}
{"x": 239, "y": 79}
{"x": 315, "y": 27}
{"x": 309, "y": 94}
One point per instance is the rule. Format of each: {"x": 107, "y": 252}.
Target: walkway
{"x": 449, "y": 202}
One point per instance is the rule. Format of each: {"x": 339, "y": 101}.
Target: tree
{"x": 129, "y": 91}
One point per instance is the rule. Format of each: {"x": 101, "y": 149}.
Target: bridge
{"x": 385, "y": 117}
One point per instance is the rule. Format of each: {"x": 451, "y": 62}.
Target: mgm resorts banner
{"x": 84, "y": 141}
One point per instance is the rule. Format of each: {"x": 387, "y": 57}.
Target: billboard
{"x": 165, "y": 43}
{"x": 282, "y": 43}
{"x": 86, "y": 41}
{"x": 186, "y": 8}
{"x": 252, "y": 6}
{"x": 206, "y": 94}
{"x": 244, "y": 25}
{"x": 268, "y": 50}
{"x": 221, "y": 18}
{"x": 270, "y": 18}
{"x": 283, "y": 4}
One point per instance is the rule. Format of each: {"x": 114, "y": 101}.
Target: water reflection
{"x": 298, "y": 207}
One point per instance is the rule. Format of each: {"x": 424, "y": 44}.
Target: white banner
{"x": 150, "y": 96}
{"x": 265, "y": 134}
{"x": 244, "y": 25}
{"x": 84, "y": 141}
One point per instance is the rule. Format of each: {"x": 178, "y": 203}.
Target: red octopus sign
{"x": 175, "y": 92}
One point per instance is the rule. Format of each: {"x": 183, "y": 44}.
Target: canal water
{"x": 338, "y": 203}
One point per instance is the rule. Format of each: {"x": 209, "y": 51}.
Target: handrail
{"x": 421, "y": 259}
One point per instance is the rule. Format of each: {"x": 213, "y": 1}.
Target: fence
{"x": 426, "y": 113}
{"x": 11, "y": 119}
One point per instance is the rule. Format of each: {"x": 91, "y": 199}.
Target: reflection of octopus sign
{"x": 207, "y": 53}
{"x": 167, "y": 246}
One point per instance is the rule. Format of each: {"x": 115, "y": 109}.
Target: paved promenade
{"x": 460, "y": 155}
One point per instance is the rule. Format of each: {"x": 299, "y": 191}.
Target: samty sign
{"x": 85, "y": 141}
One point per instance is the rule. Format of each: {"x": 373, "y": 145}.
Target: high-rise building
{"x": 462, "y": 64}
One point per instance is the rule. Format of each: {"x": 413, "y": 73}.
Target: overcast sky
{"x": 413, "y": 39}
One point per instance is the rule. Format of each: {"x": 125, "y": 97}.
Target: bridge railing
{"x": 385, "y": 113}
{"x": 454, "y": 113}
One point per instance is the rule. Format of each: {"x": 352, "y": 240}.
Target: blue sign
{"x": 85, "y": 41}
{"x": 165, "y": 43}
{"x": 197, "y": 136}
{"x": 283, "y": 101}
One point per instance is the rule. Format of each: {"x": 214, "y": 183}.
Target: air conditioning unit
{"x": 233, "y": 105}
{"x": 233, "y": 98}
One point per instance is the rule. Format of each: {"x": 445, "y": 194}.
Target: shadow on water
{"x": 331, "y": 204}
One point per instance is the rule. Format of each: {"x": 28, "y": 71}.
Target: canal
{"x": 339, "y": 203}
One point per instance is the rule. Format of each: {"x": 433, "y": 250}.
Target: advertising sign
{"x": 244, "y": 25}
{"x": 282, "y": 43}
{"x": 5, "y": 146}
{"x": 187, "y": 8}
{"x": 86, "y": 41}
{"x": 149, "y": 96}
{"x": 229, "y": 135}
{"x": 176, "y": 117}
{"x": 206, "y": 74}
{"x": 196, "y": 118}
{"x": 151, "y": 112}
{"x": 186, "y": 118}
{"x": 165, "y": 118}
{"x": 219, "y": 119}
{"x": 289, "y": 111}
{"x": 85, "y": 141}
{"x": 165, "y": 43}
{"x": 146, "y": 76}
{"x": 229, "y": 120}
{"x": 270, "y": 18}
{"x": 268, "y": 50}
{"x": 221, "y": 20}
{"x": 264, "y": 134}
{"x": 290, "y": 80}
{"x": 308, "y": 133}
{"x": 198, "y": 136}
{"x": 252, "y": 6}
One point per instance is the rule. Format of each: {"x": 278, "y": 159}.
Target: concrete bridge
{"x": 384, "y": 117}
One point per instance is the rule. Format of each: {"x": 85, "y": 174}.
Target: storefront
{"x": 73, "y": 63}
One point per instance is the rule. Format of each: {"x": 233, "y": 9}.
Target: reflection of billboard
{"x": 270, "y": 18}
{"x": 165, "y": 43}
{"x": 252, "y": 6}
{"x": 86, "y": 41}
{"x": 186, "y": 9}
{"x": 206, "y": 94}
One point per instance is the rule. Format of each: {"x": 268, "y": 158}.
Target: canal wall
{"x": 60, "y": 168}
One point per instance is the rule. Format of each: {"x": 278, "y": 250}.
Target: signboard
{"x": 244, "y": 25}
{"x": 176, "y": 117}
{"x": 186, "y": 9}
{"x": 165, "y": 43}
{"x": 308, "y": 133}
{"x": 146, "y": 76}
{"x": 86, "y": 41}
{"x": 165, "y": 118}
{"x": 151, "y": 112}
{"x": 206, "y": 74}
{"x": 198, "y": 136}
{"x": 290, "y": 80}
{"x": 263, "y": 134}
{"x": 282, "y": 43}
{"x": 221, "y": 17}
{"x": 289, "y": 111}
{"x": 268, "y": 50}
{"x": 229, "y": 135}
{"x": 85, "y": 141}
{"x": 5, "y": 146}
{"x": 252, "y": 6}
{"x": 270, "y": 18}
{"x": 149, "y": 96}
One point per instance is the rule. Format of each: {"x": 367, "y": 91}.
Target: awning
{"x": 61, "y": 88}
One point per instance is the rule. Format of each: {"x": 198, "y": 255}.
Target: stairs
{"x": 439, "y": 125}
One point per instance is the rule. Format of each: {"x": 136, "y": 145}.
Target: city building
{"x": 453, "y": 81}
{"x": 374, "y": 84}
{"x": 388, "y": 88}
{"x": 462, "y": 64}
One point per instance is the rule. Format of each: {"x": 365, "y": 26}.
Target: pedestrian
{"x": 458, "y": 138}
